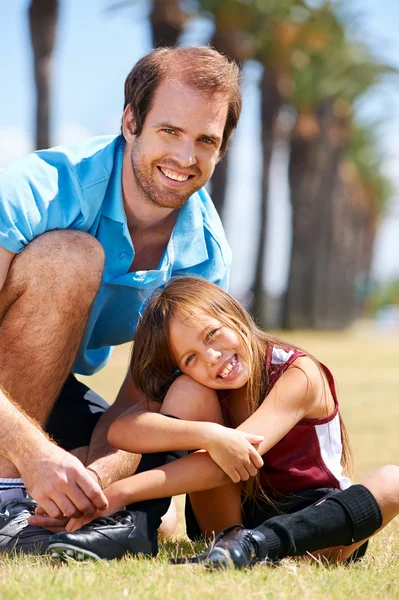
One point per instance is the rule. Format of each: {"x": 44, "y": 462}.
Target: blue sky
{"x": 95, "y": 49}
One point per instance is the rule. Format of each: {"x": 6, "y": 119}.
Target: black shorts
{"x": 75, "y": 414}
{"x": 256, "y": 513}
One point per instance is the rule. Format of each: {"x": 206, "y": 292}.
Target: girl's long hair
{"x": 154, "y": 369}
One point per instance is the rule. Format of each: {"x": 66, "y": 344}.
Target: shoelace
{"x": 123, "y": 517}
{"x": 204, "y": 555}
{"x": 29, "y": 503}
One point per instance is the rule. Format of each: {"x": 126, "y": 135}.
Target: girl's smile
{"x": 208, "y": 351}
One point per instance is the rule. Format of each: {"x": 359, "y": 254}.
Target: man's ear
{"x": 128, "y": 125}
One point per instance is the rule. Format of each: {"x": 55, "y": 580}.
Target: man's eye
{"x": 189, "y": 359}
{"x": 172, "y": 131}
{"x": 207, "y": 140}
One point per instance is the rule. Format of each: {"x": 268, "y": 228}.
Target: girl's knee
{"x": 384, "y": 485}
{"x": 387, "y": 479}
{"x": 190, "y": 400}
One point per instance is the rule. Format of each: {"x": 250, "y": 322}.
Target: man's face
{"x": 178, "y": 147}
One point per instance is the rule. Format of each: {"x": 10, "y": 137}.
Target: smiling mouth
{"x": 174, "y": 175}
{"x": 227, "y": 369}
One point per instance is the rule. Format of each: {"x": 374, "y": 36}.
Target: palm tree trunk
{"x": 167, "y": 22}
{"x": 227, "y": 41}
{"x": 271, "y": 104}
{"x": 219, "y": 184}
{"x": 230, "y": 42}
{"x": 313, "y": 174}
{"x": 43, "y": 16}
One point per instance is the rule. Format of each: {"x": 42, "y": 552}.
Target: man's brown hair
{"x": 201, "y": 67}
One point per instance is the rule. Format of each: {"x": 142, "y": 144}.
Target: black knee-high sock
{"x": 338, "y": 520}
{"x": 149, "y": 513}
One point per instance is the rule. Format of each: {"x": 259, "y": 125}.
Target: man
{"x": 87, "y": 232}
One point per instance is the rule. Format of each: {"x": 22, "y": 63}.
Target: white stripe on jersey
{"x": 329, "y": 436}
{"x": 280, "y": 356}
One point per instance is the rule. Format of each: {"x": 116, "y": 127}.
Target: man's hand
{"x": 61, "y": 485}
{"x": 115, "y": 494}
{"x": 234, "y": 451}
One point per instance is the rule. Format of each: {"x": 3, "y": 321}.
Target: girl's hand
{"x": 234, "y": 452}
{"x": 116, "y": 501}
{"x": 42, "y": 519}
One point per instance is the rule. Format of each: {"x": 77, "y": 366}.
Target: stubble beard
{"x": 144, "y": 174}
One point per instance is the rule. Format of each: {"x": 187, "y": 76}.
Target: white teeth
{"x": 229, "y": 368}
{"x": 174, "y": 176}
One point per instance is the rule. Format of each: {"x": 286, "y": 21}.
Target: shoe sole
{"x": 67, "y": 552}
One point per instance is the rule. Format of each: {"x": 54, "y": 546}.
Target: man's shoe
{"x": 16, "y": 535}
{"x": 105, "y": 538}
{"x": 233, "y": 547}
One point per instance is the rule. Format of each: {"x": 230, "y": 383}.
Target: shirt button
{"x": 123, "y": 256}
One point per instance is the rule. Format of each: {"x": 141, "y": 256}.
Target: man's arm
{"x": 110, "y": 463}
{"x": 24, "y": 444}
{"x": 54, "y": 478}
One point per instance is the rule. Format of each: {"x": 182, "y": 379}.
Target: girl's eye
{"x": 189, "y": 359}
{"x": 211, "y": 334}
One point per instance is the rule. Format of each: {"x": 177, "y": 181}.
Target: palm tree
{"x": 43, "y": 16}
{"x": 167, "y": 19}
{"x": 232, "y": 23}
{"x": 323, "y": 271}
{"x": 370, "y": 194}
{"x": 266, "y": 32}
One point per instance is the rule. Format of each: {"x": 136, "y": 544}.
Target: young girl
{"x": 270, "y": 453}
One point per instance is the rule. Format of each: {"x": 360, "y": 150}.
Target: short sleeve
{"x": 36, "y": 196}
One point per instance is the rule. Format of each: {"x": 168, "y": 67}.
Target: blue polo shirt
{"x": 80, "y": 187}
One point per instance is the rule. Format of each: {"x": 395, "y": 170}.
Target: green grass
{"x": 366, "y": 370}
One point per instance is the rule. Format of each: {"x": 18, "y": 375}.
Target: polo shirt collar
{"x": 188, "y": 237}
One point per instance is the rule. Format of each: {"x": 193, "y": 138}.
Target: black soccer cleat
{"x": 105, "y": 538}
{"x": 234, "y": 547}
{"x": 16, "y": 535}
{"x": 238, "y": 548}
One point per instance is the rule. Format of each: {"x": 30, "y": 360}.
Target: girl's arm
{"x": 234, "y": 451}
{"x": 193, "y": 473}
{"x": 146, "y": 432}
{"x": 301, "y": 392}
{"x": 196, "y": 428}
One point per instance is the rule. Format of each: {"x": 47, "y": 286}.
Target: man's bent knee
{"x": 64, "y": 260}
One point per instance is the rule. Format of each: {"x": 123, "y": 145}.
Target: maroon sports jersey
{"x": 309, "y": 455}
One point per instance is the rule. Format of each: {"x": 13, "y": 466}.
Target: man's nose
{"x": 212, "y": 356}
{"x": 185, "y": 153}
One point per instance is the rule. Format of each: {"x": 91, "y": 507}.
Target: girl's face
{"x": 209, "y": 352}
